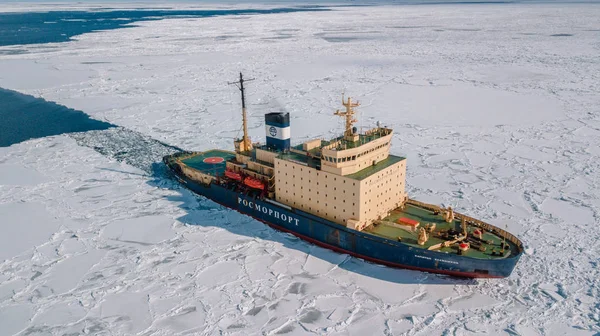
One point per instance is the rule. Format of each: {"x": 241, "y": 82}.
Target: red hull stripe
{"x": 378, "y": 261}
{"x": 374, "y": 260}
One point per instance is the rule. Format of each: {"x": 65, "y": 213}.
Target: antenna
{"x": 240, "y": 85}
{"x": 349, "y": 115}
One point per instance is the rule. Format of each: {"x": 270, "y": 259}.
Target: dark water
{"x": 60, "y": 26}
{"x": 24, "y": 117}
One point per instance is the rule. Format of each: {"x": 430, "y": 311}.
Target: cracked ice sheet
{"x": 490, "y": 125}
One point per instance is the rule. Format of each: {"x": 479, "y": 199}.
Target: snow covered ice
{"x": 496, "y": 106}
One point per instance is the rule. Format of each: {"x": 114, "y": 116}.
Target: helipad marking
{"x": 213, "y": 160}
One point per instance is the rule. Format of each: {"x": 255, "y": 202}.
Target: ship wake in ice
{"x": 494, "y": 106}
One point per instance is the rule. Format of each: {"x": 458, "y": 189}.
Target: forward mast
{"x": 244, "y": 144}
{"x": 330, "y": 190}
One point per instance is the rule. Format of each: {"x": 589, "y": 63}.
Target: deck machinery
{"x": 347, "y": 194}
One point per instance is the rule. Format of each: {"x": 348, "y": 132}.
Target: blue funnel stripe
{"x": 276, "y": 124}
{"x": 278, "y": 144}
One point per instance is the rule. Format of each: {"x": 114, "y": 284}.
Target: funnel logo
{"x": 273, "y": 131}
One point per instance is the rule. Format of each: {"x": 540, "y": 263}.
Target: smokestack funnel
{"x": 277, "y": 126}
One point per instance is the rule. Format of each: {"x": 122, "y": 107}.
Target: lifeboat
{"x": 254, "y": 183}
{"x": 233, "y": 175}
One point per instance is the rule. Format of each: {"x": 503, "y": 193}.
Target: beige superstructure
{"x": 346, "y": 200}
{"x": 351, "y": 180}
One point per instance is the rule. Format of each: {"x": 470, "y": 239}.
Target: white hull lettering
{"x": 436, "y": 259}
{"x": 268, "y": 211}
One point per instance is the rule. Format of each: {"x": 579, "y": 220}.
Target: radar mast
{"x": 244, "y": 145}
{"x": 349, "y": 133}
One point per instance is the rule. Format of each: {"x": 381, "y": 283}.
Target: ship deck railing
{"x": 476, "y": 222}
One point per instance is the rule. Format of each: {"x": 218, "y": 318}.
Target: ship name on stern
{"x": 268, "y": 211}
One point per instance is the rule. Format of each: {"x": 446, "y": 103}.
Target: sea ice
{"x": 495, "y": 106}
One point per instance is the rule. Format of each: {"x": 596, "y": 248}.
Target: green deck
{"x": 424, "y": 216}
{"x": 384, "y": 228}
{"x": 303, "y": 159}
{"x": 294, "y": 157}
{"x": 197, "y": 161}
{"x": 359, "y": 175}
{"x": 381, "y": 165}
{"x": 347, "y": 144}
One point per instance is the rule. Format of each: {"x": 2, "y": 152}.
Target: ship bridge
{"x": 351, "y": 180}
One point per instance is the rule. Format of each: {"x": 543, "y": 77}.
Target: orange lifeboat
{"x": 254, "y": 183}
{"x": 233, "y": 175}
